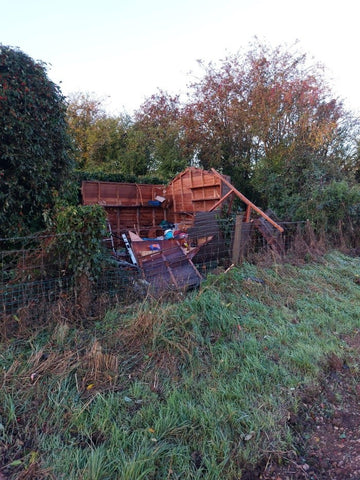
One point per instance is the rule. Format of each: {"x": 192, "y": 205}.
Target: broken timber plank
{"x": 168, "y": 267}
{"x": 246, "y": 201}
{"x": 270, "y": 235}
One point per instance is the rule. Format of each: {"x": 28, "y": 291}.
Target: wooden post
{"x": 248, "y": 214}
{"x": 235, "y": 259}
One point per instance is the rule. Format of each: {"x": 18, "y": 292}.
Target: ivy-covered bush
{"x": 81, "y": 230}
{"x": 35, "y": 155}
{"x": 116, "y": 177}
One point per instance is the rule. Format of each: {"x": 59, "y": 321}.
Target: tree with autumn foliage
{"x": 160, "y": 120}
{"x": 34, "y": 144}
{"x": 267, "y": 118}
{"x": 118, "y": 144}
{"x": 83, "y": 112}
{"x": 111, "y": 144}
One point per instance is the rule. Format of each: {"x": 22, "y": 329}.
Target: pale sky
{"x": 125, "y": 50}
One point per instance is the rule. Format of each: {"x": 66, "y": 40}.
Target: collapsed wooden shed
{"x": 147, "y": 210}
{"x": 142, "y": 207}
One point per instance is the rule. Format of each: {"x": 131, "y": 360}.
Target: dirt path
{"x": 327, "y": 427}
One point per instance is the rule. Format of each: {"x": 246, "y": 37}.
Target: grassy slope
{"x": 200, "y": 388}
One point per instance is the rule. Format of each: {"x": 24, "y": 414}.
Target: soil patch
{"x": 326, "y": 427}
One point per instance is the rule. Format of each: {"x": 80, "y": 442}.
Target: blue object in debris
{"x": 155, "y": 247}
{"x": 168, "y": 234}
{"x": 154, "y": 203}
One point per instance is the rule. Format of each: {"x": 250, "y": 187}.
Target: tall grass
{"x": 194, "y": 389}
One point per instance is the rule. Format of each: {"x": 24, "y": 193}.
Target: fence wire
{"x": 31, "y": 278}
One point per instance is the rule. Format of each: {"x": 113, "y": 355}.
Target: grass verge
{"x": 202, "y": 388}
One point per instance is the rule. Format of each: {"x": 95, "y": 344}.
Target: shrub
{"x": 34, "y": 144}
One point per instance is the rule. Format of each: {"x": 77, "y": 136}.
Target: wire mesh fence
{"x": 34, "y": 277}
